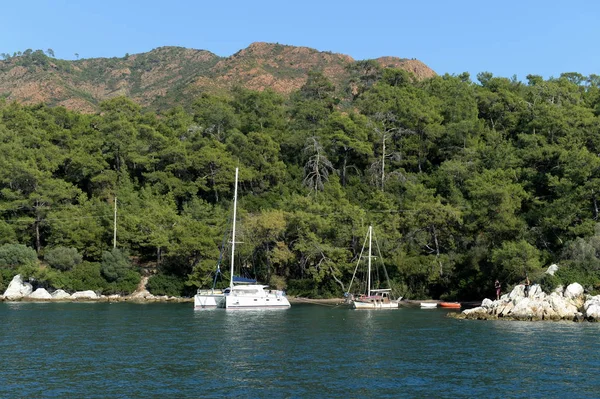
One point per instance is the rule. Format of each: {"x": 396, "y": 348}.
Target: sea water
{"x": 123, "y": 350}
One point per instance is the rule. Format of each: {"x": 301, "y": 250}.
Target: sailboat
{"x": 245, "y": 293}
{"x": 380, "y": 298}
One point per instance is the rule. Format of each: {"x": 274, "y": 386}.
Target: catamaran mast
{"x": 115, "y": 225}
{"x": 233, "y": 228}
{"x": 369, "y": 269}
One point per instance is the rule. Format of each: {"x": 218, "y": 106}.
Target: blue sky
{"x": 503, "y": 37}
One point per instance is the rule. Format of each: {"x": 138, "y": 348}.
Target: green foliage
{"x": 163, "y": 284}
{"x": 6, "y": 276}
{"x": 115, "y": 265}
{"x": 126, "y": 283}
{"x": 308, "y": 288}
{"x": 549, "y": 282}
{"x": 515, "y": 260}
{"x": 63, "y": 258}
{"x": 581, "y": 262}
{"x": 16, "y": 255}
{"x": 464, "y": 182}
{"x": 571, "y": 272}
{"x": 84, "y": 276}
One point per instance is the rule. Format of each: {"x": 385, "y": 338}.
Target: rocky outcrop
{"x": 60, "y": 294}
{"x": 40, "y": 293}
{"x": 568, "y": 304}
{"x": 591, "y": 308}
{"x": 143, "y": 294}
{"x": 552, "y": 269}
{"x": 17, "y": 289}
{"x": 84, "y": 295}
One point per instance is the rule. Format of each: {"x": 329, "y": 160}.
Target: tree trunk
{"x": 383, "y": 164}
{"x": 437, "y": 250}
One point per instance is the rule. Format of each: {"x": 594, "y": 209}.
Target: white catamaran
{"x": 245, "y": 293}
{"x": 372, "y": 298}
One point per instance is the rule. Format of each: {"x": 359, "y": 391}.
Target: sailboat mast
{"x": 369, "y": 269}
{"x": 233, "y": 228}
{"x": 115, "y": 225}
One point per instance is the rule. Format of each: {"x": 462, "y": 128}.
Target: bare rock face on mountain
{"x": 416, "y": 67}
{"x": 169, "y": 76}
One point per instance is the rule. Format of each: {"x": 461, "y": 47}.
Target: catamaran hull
{"x": 248, "y": 303}
{"x": 211, "y": 301}
{"x": 258, "y": 301}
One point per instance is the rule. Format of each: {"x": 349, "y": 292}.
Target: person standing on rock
{"x": 527, "y": 284}
{"x": 498, "y": 287}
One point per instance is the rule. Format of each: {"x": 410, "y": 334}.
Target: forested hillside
{"x": 464, "y": 182}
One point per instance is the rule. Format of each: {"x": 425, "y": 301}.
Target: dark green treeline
{"x": 464, "y": 182}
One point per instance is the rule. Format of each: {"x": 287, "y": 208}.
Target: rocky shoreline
{"x": 570, "y": 303}
{"x": 21, "y": 291}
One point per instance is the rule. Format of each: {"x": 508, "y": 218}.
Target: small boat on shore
{"x": 428, "y": 305}
{"x": 451, "y": 305}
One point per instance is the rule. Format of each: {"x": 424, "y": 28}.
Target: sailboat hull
{"x": 373, "y": 305}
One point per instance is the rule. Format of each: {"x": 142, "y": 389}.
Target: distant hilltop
{"x": 169, "y": 76}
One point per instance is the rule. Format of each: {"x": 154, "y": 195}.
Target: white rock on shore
{"x": 592, "y": 307}
{"x": 40, "y": 293}
{"x": 570, "y": 304}
{"x": 17, "y": 289}
{"x": 89, "y": 294}
{"x": 60, "y": 294}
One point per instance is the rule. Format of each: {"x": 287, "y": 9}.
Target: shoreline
{"x": 164, "y": 299}
{"x": 161, "y": 299}
{"x": 101, "y": 299}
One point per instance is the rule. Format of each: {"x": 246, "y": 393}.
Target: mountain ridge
{"x": 170, "y": 75}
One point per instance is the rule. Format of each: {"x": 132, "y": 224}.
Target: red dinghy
{"x": 452, "y": 305}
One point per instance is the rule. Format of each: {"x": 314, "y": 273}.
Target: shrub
{"x": 63, "y": 258}
{"x": 15, "y": 255}
{"x": 85, "y": 276}
{"x": 125, "y": 284}
{"x": 116, "y": 269}
{"x": 164, "y": 284}
{"x": 573, "y": 272}
{"x": 60, "y": 280}
{"x": 549, "y": 282}
{"x": 6, "y": 275}
{"x": 115, "y": 264}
